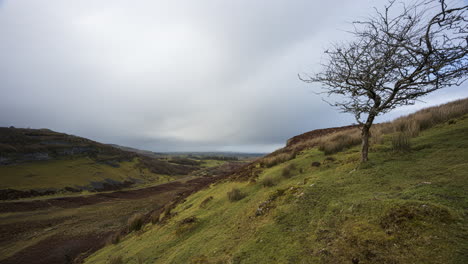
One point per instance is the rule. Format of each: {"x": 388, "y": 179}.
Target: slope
{"x": 405, "y": 206}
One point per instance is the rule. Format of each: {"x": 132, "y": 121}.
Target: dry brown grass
{"x": 408, "y": 126}
{"x": 271, "y": 161}
{"x": 429, "y": 117}
{"x": 401, "y": 142}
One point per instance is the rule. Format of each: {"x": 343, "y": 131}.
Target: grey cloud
{"x": 173, "y": 75}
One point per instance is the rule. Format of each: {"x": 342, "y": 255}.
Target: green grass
{"x": 401, "y": 207}
{"x": 71, "y": 172}
{"x": 212, "y": 163}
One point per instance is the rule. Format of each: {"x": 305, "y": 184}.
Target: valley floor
{"x": 58, "y": 230}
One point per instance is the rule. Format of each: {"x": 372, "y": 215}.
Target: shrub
{"x": 401, "y": 142}
{"x": 135, "y": 222}
{"x": 269, "y": 182}
{"x": 287, "y": 171}
{"x": 235, "y": 195}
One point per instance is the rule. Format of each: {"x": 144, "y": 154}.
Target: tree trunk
{"x": 365, "y": 134}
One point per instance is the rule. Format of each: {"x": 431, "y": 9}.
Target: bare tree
{"x": 398, "y": 55}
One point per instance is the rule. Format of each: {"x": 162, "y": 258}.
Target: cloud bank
{"x": 174, "y": 75}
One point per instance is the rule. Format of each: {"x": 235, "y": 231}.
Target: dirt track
{"x": 64, "y": 246}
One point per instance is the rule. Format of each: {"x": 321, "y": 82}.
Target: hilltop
{"x": 313, "y": 202}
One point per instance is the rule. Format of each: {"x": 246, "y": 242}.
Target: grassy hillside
{"x": 407, "y": 205}
{"x": 75, "y": 173}
{"x": 36, "y": 162}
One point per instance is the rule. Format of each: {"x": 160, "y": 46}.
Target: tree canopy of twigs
{"x": 399, "y": 54}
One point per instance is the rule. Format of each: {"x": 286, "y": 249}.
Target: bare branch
{"x": 395, "y": 59}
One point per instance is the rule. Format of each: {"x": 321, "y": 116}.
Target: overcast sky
{"x": 174, "y": 75}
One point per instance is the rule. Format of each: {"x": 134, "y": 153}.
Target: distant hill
{"x": 147, "y": 153}
{"x": 41, "y": 161}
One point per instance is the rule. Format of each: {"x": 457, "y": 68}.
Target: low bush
{"x": 288, "y": 170}
{"x": 269, "y": 182}
{"x": 235, "y": 195}
{"x": 135, "y": 222}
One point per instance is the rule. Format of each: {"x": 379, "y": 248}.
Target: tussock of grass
{"x": 114, "y": 238}
{"x": 235, "y": 195}
{"x": 288, "y": 170}
{"x": 401, "y": 142}
{"x": 269, "y": 181}
{"x": 135, "y": 222}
